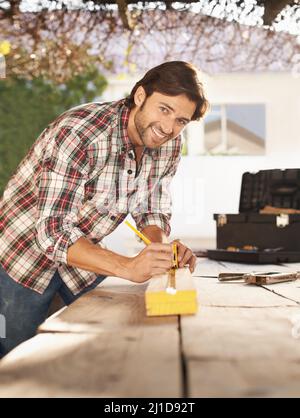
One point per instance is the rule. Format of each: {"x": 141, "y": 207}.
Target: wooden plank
{"x": 253, "y": 378}
{"x": 254, "y": 348}
{"x": 106, "y": 346}
{"x": 230, "y": 334}
{"x": 163, "y": 297}
{"x": 237, "y": 294}
{"x": 247, "y": 268}
{"x": 207, "y": 267}
{"x": 120, "y": 352}
{"x": 289, "y": 290}
{"x": 294, "y": 266}
{"x": 131, "y": 362}
{"x": 211, "y": 292}
{"x": 241, "y": 352}
{"x": 114, "y": 305}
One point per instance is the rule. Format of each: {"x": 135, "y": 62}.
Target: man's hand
{"x": 185, "y": 256}
{"x": 156, "y": 258}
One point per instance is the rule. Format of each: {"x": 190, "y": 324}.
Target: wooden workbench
{"x": 242, "y": 342}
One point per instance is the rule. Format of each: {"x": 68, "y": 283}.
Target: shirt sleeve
{"x": 60, "y": 190}
{"x": 159, "y": 202}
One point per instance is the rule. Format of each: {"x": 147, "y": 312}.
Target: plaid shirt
{"x": 80, "y": 179}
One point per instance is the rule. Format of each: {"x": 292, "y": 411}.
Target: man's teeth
{"x": 157, "y": 133}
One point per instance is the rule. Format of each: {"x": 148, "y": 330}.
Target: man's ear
{"x": 139, "y": 96}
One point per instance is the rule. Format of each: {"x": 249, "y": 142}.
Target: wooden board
{"x": 289, "y": 290}
{"x": 106, "y": 346}
{"x": 207, "y": 267}
{"x": 240, "y": 343}
{"x": 243, "y": 379}
{"x": 127, "y": 362}
{"x": 244, "y": 352}
{"x": 102, "y": 309}
{"x": 247, "y": 268}
{"x": 229, "y": 334}
{"x": 238, "y": 295}
{"x": 180, "y": 300}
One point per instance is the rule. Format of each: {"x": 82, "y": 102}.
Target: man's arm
{"x": 91, "y": 257}
{"x": 156, "y": 258}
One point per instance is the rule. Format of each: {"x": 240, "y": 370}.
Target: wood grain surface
{"x": 243, "y": 342}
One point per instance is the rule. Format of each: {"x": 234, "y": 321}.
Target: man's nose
{"x": 167, "y": 127}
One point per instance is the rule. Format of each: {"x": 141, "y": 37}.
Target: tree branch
{"x": 273, "y": 8}
{"x": 124, "y": 14}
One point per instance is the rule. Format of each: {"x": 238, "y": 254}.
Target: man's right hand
{"x": 156, "y": 258}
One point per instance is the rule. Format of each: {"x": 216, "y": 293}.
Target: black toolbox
{"x": 255, "y": 237}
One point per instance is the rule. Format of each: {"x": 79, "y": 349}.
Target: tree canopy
{"x": 28, "y": 106}
{"x": 62, "y": 38}
{"x": 271, "y": 9}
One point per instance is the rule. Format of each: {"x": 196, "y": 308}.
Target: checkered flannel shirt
{"x": 80, "y": 179}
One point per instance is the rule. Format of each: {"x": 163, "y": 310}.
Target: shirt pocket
{"x": 101, "y": 192}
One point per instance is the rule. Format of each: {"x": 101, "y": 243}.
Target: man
{"x": 87, "y": 170}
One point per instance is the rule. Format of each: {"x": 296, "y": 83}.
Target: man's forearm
{"x": 91, "y": 257}
{"x": 155, "y": 234}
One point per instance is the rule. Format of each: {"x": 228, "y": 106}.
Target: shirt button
{"x": 123, "y": 149}
{"x": 129, "y": 171}
{"x": 131, "y": 155}
{"x": 113, "y": 218}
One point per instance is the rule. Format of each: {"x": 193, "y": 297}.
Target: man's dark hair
{"x": 173, "y": 78}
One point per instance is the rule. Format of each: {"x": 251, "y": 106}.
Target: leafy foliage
{"x": 28, "y": 106}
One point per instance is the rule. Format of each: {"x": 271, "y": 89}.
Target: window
{"x": 231, "y": 129}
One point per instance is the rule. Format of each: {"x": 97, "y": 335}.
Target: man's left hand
{"x": 185, "y": 256}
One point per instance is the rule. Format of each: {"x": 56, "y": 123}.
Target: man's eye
{"x": 182, "y": 122}
{"x": 164, "y": 109}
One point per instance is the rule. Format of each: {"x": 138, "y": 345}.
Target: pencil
{"x": 138, "y": 233}
{"x": 175, "y": 255}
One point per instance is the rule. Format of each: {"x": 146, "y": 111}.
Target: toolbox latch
{"x": 222, "y": 220}
{"x": 282, "y": 220}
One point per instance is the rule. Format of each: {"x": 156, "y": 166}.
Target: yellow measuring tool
{"x": 171, "y": 286}
{"x": 166, "y": 297}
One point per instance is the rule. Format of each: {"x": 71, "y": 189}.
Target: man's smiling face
{"x": 160, "y": 118}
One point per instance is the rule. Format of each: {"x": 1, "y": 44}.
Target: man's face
{"x": 160, "y": 118}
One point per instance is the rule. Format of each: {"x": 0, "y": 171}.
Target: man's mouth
{"x": 158, "y": 133}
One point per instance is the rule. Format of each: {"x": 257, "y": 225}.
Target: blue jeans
{"x": 22, "y": 310}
